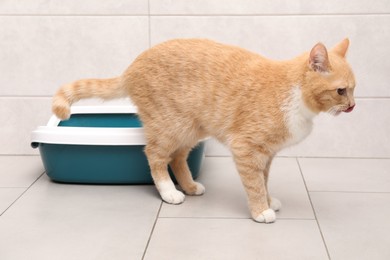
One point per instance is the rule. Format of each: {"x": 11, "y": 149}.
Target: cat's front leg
{"x": 273, "y": 202}
{"x": 251, "y": 164}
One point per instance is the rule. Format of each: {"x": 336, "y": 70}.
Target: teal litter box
{"x": 99, "y": 145}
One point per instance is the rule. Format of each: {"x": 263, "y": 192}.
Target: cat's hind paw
{"x": 173, "y": 196}
{"x": 196, "y": 189}
{"x": 275, "y": 204}
{"x": 267, "y": 216}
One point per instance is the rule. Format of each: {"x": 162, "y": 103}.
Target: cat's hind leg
{"x": 158, "y": 159}
{"x": 182, "y": 173}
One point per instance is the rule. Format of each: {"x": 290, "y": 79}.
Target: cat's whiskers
{"x": 335, "y": 110}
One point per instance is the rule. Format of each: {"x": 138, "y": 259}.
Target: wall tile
{"x": 74, "y": 7}
{"x": 18, "y": 117}
{"x": 38, "y": 54}
{"x": 267, "y": 7}
{"x": 283, "y": 37}
{"x": 362, "y": 133}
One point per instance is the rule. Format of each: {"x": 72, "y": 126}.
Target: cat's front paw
{"x": 267, "y": 216}
{"x": 275, "y": 204}
{"x": 173, "y": 196}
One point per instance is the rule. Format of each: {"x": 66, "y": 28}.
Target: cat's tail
{"x": 85, "y": 88}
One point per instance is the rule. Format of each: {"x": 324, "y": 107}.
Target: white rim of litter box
{"x": 52, "y": 134}
{"x": 54, "y": 121}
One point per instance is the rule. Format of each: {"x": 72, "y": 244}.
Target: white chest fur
{"x": 298, "y": 117}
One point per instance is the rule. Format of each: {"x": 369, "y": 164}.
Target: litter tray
{"x": 99, "y": 145}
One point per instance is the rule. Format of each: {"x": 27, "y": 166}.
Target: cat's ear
{"x": 319, "y": 60}
{"x": 341, "y": 48}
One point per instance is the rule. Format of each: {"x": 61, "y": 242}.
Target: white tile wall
{"x": 20, "y": 116}
{"x": 39, "y": 53}
{"x": 74, "y": 7}
{"x": 249, "y": 7}
{"x": 44, "y": 44}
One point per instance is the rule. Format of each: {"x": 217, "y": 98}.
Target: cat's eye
{"x": 341, "y": 91}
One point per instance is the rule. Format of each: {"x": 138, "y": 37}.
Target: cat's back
{"x": 192, "y": 47}
{"x": 193, "y": 55}
{"x": 188, "y": 76}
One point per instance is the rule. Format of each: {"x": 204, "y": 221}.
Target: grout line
{"x": 340, "y": 191}
{"x": 186, "y": 217}
{"x": 229, "y": 156}
{"x": 149, "y": 26}
{"x": 281, "y": 156}
{"x": 152, "y": 231}
{"x": 192, "y": 15}
{"x": 314, "y": 212}
{"x": 71, "y": 15}
{"x": 268, "y": 14}
{"x": 335, "y": 157}
{"x": 237, "y": 218}
{"x": 1, "y": 214}
{"x": 23, "y": 96}
{"x": 3, "y": 187}
{"x": 19, "y": 154}
{"x": 311, "y": 157}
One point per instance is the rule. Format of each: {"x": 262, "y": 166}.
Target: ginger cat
{"x": 189, "y": 89}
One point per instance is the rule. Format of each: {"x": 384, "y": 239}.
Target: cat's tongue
{"x": 349, "y": 109}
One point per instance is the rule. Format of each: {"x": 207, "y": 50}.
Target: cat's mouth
{"x": 337, "y": 110}
{"x": 349, "y": 109}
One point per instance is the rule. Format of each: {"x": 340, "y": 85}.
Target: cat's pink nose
{"x": 349, "y": 109}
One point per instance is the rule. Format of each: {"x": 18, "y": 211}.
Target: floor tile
{"x": 19, "y": 171}
{"x": 8, "y": 196}
{"x": 355, "y": 225}
{"x": 366, "y": 175}
{"x": 235, "y": 239}
{"x": 225, "y": 196}
{"x": 59, "y": 221}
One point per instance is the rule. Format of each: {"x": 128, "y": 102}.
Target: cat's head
{"x": 329, "y": 81}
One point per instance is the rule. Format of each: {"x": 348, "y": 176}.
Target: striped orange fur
{"x": 189, "y": 89}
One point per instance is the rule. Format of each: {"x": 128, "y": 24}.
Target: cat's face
{"x": 330, "y": 80}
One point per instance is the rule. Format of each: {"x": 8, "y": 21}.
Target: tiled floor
{"x": 332, "y": 209}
